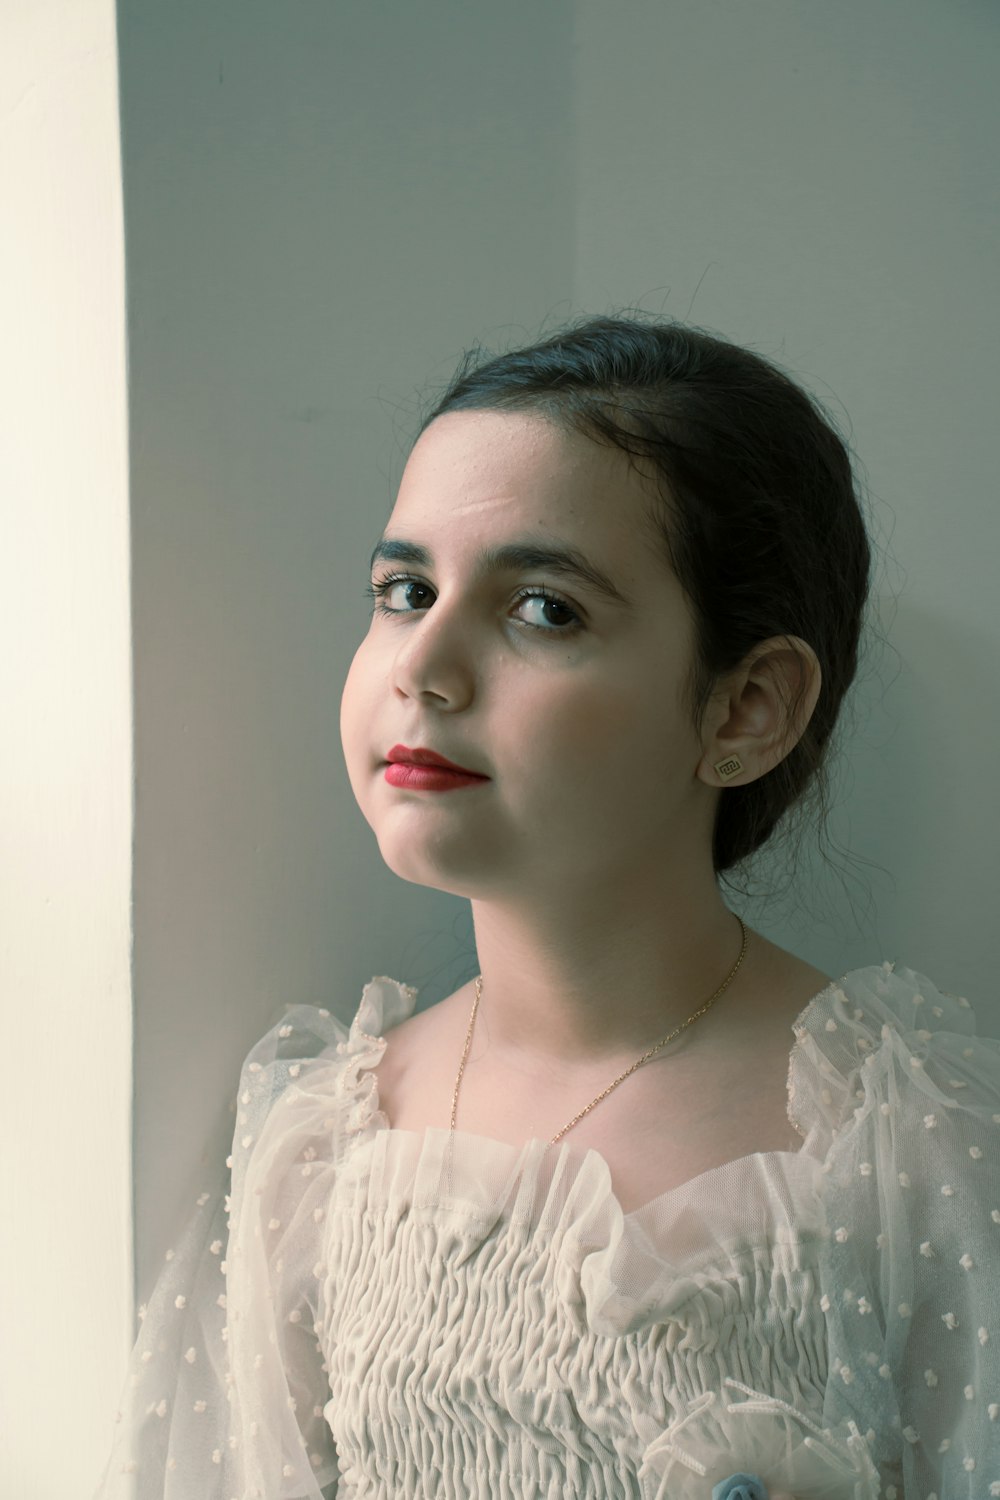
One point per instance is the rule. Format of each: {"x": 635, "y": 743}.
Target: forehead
{"x": 483, "y": 466}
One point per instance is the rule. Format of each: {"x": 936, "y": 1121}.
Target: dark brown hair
{"x": 761, "y": 521}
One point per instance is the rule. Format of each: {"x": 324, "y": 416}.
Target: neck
{"x": 568, "y": 988}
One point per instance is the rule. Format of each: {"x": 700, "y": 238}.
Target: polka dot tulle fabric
{"x": 357, "y": 1311}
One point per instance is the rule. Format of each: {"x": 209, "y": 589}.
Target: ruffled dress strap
{"x": 354, "y": 1090}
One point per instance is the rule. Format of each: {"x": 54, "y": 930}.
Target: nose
{"x": 435, "y": 657}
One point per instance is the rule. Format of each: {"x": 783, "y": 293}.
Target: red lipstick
{"x": 422, "y": 770}
{"x": 422, "y": 757}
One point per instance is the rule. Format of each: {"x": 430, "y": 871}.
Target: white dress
{"x": 376, "y": 1312}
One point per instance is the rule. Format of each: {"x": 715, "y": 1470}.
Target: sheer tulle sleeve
{"x": 894, "y": 1087}
{"x": 227, "y": 1383}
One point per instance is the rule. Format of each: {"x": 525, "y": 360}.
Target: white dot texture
{"x": 923, "y": 1225}
{"x": 359, "y": 1311}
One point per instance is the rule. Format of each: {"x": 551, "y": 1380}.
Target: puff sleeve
{"x": 892, "y": 1085}
{"x": 228, "y": 1379}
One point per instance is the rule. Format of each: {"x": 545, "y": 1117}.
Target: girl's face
{"x": 569, "y": 706}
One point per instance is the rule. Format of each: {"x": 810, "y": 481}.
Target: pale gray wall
{"x": 324, "y": 204}
{"x": 819, "y": 181}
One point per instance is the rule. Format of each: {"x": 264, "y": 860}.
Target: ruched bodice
{"x": 517, "y": 1325}
{"x": 393, "y": 1313}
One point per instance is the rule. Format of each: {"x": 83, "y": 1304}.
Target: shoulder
{"x": 304, "y": 1033}
{"x": 888, "y": 1030}
{"x": 885, "y": 1003}
{"x": 313, "y": 1064}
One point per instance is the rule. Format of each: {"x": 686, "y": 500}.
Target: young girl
{"x": 651, "y": 1207}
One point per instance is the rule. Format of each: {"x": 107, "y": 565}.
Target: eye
{"x": 379, "y": 588}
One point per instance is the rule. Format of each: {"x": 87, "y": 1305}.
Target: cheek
{"x": 357, "y": 711}
{"x": 577, "y": 741}
{"x": 604, "y": 747}
{"x": 601, "y": 723}
{"x": 347, "y": 698}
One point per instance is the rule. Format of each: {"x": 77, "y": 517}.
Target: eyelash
{"x": 381, "y": 586}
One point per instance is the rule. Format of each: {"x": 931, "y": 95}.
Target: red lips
{"x": 423, "y": 757}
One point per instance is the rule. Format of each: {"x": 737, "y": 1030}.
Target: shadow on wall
{"x": 929, "y": 786}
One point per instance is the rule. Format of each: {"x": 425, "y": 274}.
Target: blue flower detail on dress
{"x": 740, "y": 1487}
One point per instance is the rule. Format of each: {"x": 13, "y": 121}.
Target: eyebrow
{"x": 513, "y": 557}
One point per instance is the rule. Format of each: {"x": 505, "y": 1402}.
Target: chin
{"x": 444, "y": 869}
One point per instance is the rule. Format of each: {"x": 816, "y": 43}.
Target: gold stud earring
{"x": 730, "y": 767}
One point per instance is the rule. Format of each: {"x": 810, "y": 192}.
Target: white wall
{"x": 65, "y": 749}
{"x": 819, "y": 181}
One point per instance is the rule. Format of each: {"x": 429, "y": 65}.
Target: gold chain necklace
{"x": 644, "y": 1058}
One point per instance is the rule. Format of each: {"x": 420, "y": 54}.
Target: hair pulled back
{"x": 760, "y": 522}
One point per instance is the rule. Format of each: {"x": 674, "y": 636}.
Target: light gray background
{"x": 324, "y": 204}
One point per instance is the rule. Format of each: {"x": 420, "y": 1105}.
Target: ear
{"x": 760, "y": 710}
